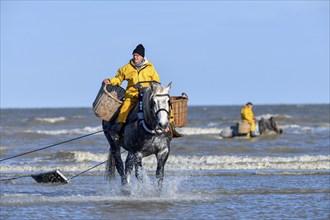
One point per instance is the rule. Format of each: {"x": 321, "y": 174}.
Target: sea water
{"x": 273, "y": 176}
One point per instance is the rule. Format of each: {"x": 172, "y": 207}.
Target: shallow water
{"x": 273, "y": 176}
{"x": 186, "y": 195}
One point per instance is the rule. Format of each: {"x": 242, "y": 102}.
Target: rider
{"x": 248, "y": 116}
{"x": 138, "y": 69}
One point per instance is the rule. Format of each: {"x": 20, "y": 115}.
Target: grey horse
{"x": 147, "y": 132}
{"x": 264, "y": 126}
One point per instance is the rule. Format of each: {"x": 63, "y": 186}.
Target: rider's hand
{"x": 137, "y": 86}
{"x": 106, "y": 81}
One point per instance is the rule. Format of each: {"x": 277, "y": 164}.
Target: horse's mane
{"x": 147, "y": 105}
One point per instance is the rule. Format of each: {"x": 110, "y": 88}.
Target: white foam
{"x": 85, "y": 130}
{"x": 304, "y": 129}
{"x": 268, "y": 116}
{"x": 51, "y": 120}
{"x": 265, "y": 116}
{"x": 306, "y": 162}
{"x": 198, "y": 131}
{"x": 78, "y": 156}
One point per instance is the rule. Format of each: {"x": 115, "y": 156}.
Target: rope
{"x": 53, "y": 145}
{"x": 87, "y": 170}
{"x": 68, "y": 178}
{"x": 13, "y": 178}
{"x": 91, "y": 168}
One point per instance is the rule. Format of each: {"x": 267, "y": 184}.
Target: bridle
{"x": 156, "y": 110}
{"x": 160, "y": 109}
{"x": 152, "y": 109}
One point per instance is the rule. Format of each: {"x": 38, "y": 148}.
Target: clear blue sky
{"x": 56, "y": 53}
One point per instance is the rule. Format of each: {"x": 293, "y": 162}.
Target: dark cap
{"x": 139, "y": 50}
{"x": 249, "y": 103}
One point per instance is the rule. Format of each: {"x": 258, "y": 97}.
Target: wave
{"x": 77, "y": 156}
{"x": 243, "y": 163}
{"x": 292, "y": 128}
{"x": 305, "y": 129}
{"x": 85, "y": 130}
{"x": 51, "y": 120}
{"x": 81, "y": 160}
{"x": 198, "y": 130}
{"x": 276, "y": 116}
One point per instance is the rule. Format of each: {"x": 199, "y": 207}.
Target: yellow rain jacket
{"x": 248, "y": 116}
{"x": 133, "y": 75}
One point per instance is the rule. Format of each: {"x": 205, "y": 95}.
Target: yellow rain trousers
{"x": 248, "y": 116}
{"x": 133, "y": 75}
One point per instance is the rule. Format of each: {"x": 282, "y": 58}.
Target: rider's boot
{"x": 116, "y": 130}
{"x": 253, "y": 134}
{"x": 176, "y": 134}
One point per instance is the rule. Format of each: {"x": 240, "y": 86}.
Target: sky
{"x": 57, "y": 53}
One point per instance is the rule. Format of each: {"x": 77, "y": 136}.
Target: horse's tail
{"x": 110, "y": 169}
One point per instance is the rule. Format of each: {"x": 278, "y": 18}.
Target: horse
{"x": 146, "y": 132}
{"x": 264, "y": 126}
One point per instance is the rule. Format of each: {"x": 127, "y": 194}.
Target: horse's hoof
{"x": 125, "y": 190}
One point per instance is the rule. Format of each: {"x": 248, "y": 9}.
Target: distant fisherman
{"x": 248, "y": 116}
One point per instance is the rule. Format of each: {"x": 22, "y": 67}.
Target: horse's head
{"x": 159, "y": 106}
{"x": 274, "y": 126}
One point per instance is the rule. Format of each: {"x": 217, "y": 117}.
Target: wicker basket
{"x": 243, "y": 127}
{"x": 179, "y": 107}
{"x": 107, "y": 101}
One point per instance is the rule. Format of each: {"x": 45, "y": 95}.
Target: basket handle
{"x": 109, "y": 94}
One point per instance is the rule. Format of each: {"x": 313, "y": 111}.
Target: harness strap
{"x": 152, "y": 131}
{"x": 140, "y": 101}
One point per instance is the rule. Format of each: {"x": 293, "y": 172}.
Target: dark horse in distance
{"x": 264, "y": 126}
{"x": 147, "y": 132}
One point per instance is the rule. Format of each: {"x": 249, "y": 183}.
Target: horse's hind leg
{"x": 120, "y": 165}
{"x": 116, "y": 154}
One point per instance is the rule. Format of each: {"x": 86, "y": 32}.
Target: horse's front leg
{"x": 130, "y": 160}
{"x": 138, "y": 166}
{"x": 161, "y": 160}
